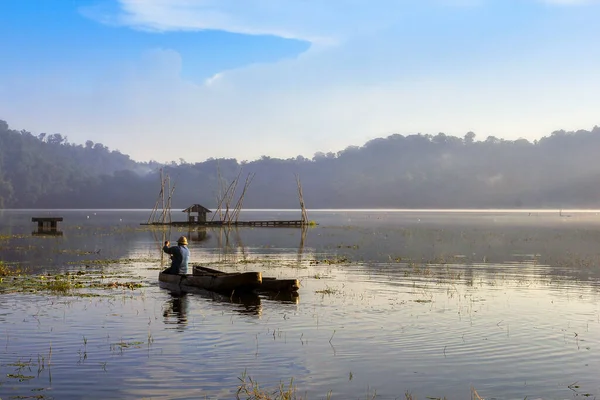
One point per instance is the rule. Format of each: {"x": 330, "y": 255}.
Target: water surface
{"x": 392, "y": 302}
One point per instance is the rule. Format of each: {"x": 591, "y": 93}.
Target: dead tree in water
{"x": 169, "y": 202}
{"x": 167, "y": 188}
{"x": 160, "y": 200}
{"x": 238, "y": 206}
{"x": 220, "y": 195}
{"x": 226, "y": 197}
{"x": 301, "y": 197}
{"x": 220, "y": 203}
{"x": 229, "y": 197}
{"x": 163, "y": 202}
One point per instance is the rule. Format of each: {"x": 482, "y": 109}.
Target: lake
{"x": 393, "y": 303}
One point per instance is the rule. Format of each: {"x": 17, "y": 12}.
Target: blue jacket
{"x": 179, "y": 259}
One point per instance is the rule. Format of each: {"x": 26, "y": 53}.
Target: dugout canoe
{"x": 222, "y": 282}
{"x": 267, "y": 284}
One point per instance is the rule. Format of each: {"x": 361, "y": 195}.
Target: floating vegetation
{"x": 124, "y": 345}
{"x": 20, "y": 377}
{"x": 6, "y": 270}
{"x": 8, "y": 237}
{"x": 20, "y": 364}
{"x": 330, "y": 261}
{"x": 71, "y": 283}
{"x": 79, "y": 252}
{"x": 353, "y": 246}
{"x": 57, "y": 285}
{"x": 327, "y": 290}
{"x": 107, "y": 261}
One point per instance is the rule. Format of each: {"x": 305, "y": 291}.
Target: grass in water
{"x": 69, "y": 283}
{"x": 6, "y": 270}
{"x": 250, "y": 390}
{"x": 328, "y": 290}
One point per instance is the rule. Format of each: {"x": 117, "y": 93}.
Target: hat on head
{"x": 182, "y": 240}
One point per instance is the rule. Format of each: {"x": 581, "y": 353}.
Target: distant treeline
{"x": 415, "y": 171}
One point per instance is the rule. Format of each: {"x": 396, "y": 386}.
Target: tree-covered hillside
{"x": 415, "y": 171}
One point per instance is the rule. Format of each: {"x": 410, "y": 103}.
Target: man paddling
{"x": 180, "y": 255}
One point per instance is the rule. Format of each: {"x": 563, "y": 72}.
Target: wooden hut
{"x": 201, "y": 213}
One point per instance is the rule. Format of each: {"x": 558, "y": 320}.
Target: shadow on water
{"x": 47, "y": 232}
{"x": 176, "y": 309}
{"x": 247, "y": 303}
{"x": 283, "y": 297}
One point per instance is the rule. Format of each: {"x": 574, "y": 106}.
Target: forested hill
{"x": 561, "y": 170}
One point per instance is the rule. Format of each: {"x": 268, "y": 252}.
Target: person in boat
{"x": 180, "y": 255}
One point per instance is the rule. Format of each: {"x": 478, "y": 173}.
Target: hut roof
{"x": 197, "y": 208}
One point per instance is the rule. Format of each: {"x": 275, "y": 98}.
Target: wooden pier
{"x": 228, "y": 215}
{"x": 47, "y": 223}
{"x": 269, "y": 223}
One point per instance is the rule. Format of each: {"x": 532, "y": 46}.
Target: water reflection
{"x": 284, "y": 297}
{"x": 402, "y": 302}
{"x": 247, "y": 303}
{"x": 46, "y": 232}
{"x": 176, "y": 310}
{"x": 197, "y": 235}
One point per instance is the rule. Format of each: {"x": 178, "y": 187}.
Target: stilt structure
{"x": 228, "y": 217}
{"x": 163, "y": 202}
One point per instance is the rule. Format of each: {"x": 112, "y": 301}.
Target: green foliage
{"x": 414, "y": 171}
{"x": 34, "y": 170}
{"x": 6, "y": 270}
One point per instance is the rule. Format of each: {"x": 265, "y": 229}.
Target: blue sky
{"x": 193, "y": 79}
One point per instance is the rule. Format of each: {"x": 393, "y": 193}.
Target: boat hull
{"x": 267, "y": 284}
{"x": 222, "y": 283}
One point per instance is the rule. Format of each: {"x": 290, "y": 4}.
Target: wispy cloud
{"x": 316, "y": 21}
{"x": 396, "y": 67}
{"x": 320, "y": 22}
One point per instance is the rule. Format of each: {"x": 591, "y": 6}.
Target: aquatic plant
{"x": 67, "y": 283}
{"x": 6, "y": 270}
{"x": 336, "y": 260}
{"x": 58, "y": 285}
{"x": 3, "y": 269}
{"x": 327, "y": 290}
{"x": 250, "y": 390}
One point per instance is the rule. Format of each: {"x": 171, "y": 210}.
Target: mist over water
{"x": 431, "y": 303}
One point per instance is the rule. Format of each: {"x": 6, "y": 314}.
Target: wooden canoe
{"x": 221, "y": 282}
{"x": 267, "y": 284}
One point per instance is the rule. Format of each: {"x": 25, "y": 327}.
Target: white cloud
{"x": 320, "y": 22}
{"x": 316, "y": 21}
{"x": 376, "y": 80}
{"x": 213, "y": 79}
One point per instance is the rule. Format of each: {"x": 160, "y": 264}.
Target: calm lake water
{"x": 391, "y": 302}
